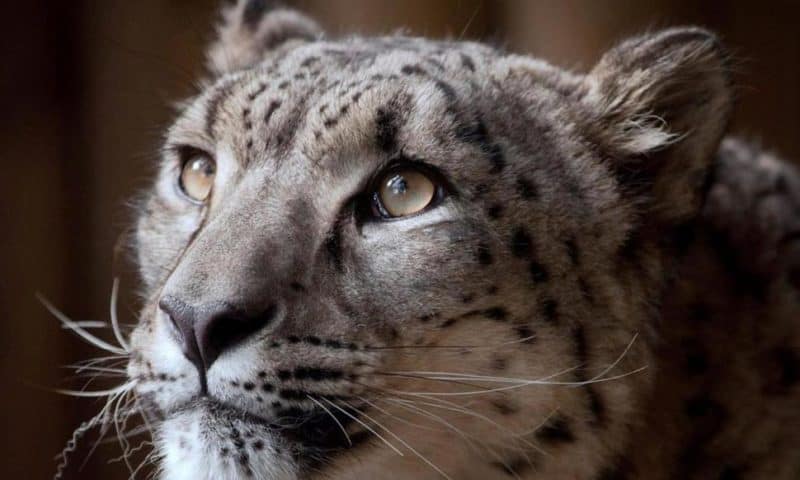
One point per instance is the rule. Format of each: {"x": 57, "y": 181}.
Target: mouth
{"x": 314, "y": 431}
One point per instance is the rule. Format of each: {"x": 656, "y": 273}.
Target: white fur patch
{"x": 201, "y": 445}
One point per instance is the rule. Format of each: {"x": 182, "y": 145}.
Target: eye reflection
{"x": 405, "y": 192}
{"x": 197, "y": 177}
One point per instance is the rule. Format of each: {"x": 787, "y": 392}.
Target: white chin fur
{"x": 197, "y": 445}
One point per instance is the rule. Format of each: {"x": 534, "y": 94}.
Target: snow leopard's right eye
{"x": 197, "y": 175}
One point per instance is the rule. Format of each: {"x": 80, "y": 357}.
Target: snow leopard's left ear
{"x": 660, "y": 104}
{"x": 251, "y": 29}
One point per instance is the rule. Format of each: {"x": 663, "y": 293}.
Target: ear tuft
{"x": 661, "y": 104}
{"x": 251, "y": 29}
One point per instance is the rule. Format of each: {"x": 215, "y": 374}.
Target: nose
{"x": 208, "y": 330}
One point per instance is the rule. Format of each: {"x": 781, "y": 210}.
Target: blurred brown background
{"x": 86, "y": 88}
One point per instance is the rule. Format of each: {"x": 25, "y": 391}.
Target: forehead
{"x": 341, "y": 94}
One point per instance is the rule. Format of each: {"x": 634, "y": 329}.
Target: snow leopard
{"x": 406, "y": 258}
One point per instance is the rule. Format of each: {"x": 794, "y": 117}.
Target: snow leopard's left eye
{"x": 404, "y": 191}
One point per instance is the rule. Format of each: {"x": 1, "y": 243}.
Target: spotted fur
{"x": 609, "y": 291}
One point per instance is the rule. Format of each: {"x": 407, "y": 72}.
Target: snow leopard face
{"x": 403, "y": 258}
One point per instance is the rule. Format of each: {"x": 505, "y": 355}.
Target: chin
{"x": 209, "y": 441}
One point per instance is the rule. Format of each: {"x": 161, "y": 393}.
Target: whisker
{"x": 619, "y": 358}
{"x": 341, "y": 427}
{"x": 101, "y": 344}
{"x": 104, "y": 426}
{"x": 123, "y": 442}
{"x": 365, "y": 426}
{"x": 144, "y": 444}
{"x": 458, "y": 376}
{"x": 412, "y": 449}
{"x": 473, "y": 442}
{"x": 113, "y": 315}
{"x": 516, "y": 382}
{"x": 393, "y": 374}
{"x": 118, "y": 359}
{"x": 451, "y": 347}
{"x": 87, "y": 324}
{"x": 72, "y": 444}
{"x": 407, "y": 405}
{"x": 397, "y": 418}
{"x": 97, "y": 393}
{"x": 95, "y": 369}
{"x": 457, "y": 408}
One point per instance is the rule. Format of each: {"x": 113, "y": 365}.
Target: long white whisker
{"x": 104, "y": 426}
{"x": 341, "y": 427}
{"x": 619, "y": 359}
{"x": 453, "y": 407}
{"x": 87, "y": 324}
{"x": 119, "y": 359}
{"x": 123, "y": 442}
{"x": 96, "y": 369}
{"x": 460, "y": 377}
{"x": 142, "y": 413}
{"x": 412, "y": 449}
{"x": 72, "y": 444}
{"x": 540, "y": 425}
{"x": 517, "y": 383}
{"x": 365, "y": 426}
{"x": 80, "y": 331}
{"x": 454, "y": 347}
{"x": 471, "y": 440}
{"x": 398, "y": 418}
{"x": 114, "y": 319}
{"x": 142, "y": 445}
{"x": 408, "y": 405}
{"x": 98, "y": 393}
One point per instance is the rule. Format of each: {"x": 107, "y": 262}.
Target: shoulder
{"x": 754, "y": 204}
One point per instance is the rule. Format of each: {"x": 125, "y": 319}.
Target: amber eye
{"x": 197, "y": 176}
{"x": 403, "y": 192}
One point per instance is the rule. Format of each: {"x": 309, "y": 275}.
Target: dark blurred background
{"x": 86, "y": 89}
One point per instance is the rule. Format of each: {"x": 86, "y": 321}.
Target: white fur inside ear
{"x": 644, "y": 133}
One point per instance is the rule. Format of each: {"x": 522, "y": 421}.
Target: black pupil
{"x": 207, "y": 168}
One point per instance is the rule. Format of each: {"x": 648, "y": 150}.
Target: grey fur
{"x": 575, "y": 202}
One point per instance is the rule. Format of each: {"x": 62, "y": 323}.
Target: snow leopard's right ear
{"x": 660, "y": 104}
{"x": 251, "y": 29}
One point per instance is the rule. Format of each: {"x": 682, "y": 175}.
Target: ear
{"x": 251, "y": 29}
{"x": 660, "y": 106}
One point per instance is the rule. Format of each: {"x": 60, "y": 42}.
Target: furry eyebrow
{"x": 214, "y": 103}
